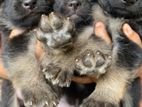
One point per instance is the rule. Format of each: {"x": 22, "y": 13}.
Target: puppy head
{"x": 79, "y": 11}
{"x": 25, "y": 13}
{"x": 122, "y": 8}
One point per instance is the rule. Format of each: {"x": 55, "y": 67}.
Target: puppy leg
{"x": 25, "y": 73}
{"x": 56, "y": 34}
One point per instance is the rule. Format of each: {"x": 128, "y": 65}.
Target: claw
{"x": 29, "y": 103}
{"x": 68, "y": 18}
{"x": 55, "y": 82}
{"x": 98, "y": 53}
{"x": 77, "y": 60}
{"x": 88, "y": 54}
{"x": 54, "y": 103}
{"x": 109, "y": 57}
{"x": 46, "y": 103}
{"x": 47, "y": 76}
{"x": 44, "y": 70}
{"x": 55, "y": 21}
{"x": 45, "y": 24}
{"x": 68, "y": 84}
{"x": 68, "y": 25}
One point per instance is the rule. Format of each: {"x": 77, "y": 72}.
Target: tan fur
{"x": 112, "y": 86}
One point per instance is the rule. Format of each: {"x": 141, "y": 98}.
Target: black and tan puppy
{"x": 110, "y": 91}
{"x": 78, "y": 11}
{"x": 63, "y": 47}
{"x": 18, "y": 52}
{"x": 59, "y": 37}
{"x": 25, "y": 19}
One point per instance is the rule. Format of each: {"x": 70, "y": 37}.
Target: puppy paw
{"x": 40, "y": 96}
{"x": 90, "y": 102}
{"x": 55, "y": 31}
{"x": 57, "y": 75}
{"x": 90, "y": 62}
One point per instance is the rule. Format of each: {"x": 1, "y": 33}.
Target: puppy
{"x": 64, "y": 43}
{"x": 18, "y": 53}
{"x": 80, "y": 13}
{"x": 88, "y": 55}
{"x": 125, "y": 55}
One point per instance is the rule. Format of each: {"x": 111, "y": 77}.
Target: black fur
{"x": 15, "y": 14}
{"x": 135, "y": 93}
{"x": 81, "y": 15}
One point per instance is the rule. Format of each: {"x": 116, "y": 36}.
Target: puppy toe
{"x": 55, "y": 21}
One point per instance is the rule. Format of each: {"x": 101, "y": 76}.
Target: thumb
{"x": 100, "y": 31}
{"x": 131, "y": 35}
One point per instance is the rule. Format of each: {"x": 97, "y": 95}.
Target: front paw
{"x": 57, "y": 32}
{"x": 39, "y": 96}
{"x": 90, "y": 62}
{"x": 57, "y": 75}
{"x": 90, "y": 102}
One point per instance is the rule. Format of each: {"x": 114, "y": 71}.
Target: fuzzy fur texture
{"x": 19, "y": 52}
{"x": 68, "y": 54}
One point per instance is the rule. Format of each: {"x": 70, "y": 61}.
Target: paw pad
{"x": 90, "y": 62}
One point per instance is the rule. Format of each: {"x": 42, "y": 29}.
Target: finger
{"x": 139, "y": 72}
{"x": 39, "y": 50}
{"x": 16, "y": 32}
{"x": 84, "y": 80}
{"x": 100, "y": 31}
{"x": 131, "y": 35}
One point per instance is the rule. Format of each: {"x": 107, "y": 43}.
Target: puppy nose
{"x": 29, "y": 4}
{"x": 74, "y": 4}
{"x": 129, "y": 2}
